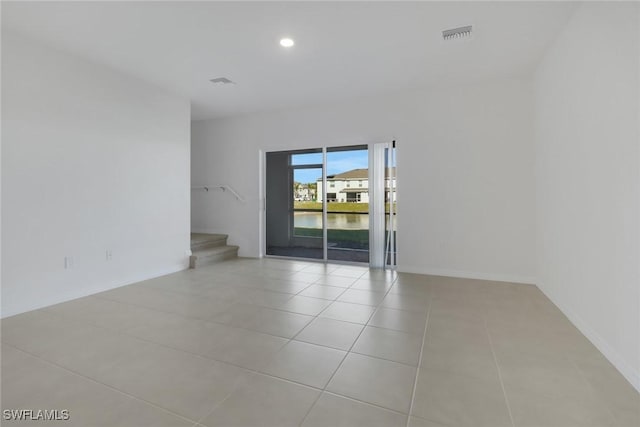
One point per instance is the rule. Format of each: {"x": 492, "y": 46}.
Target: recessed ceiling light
{"x": 286, "y": 42}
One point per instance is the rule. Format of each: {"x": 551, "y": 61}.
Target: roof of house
{"x": 355, "y": 174}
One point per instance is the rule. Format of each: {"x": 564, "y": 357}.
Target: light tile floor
{"x": 289, "y": 343}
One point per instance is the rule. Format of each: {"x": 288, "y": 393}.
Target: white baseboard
{"x": 600, "y": 343}
{"x": 30, "y": 306}
{"x": 466, "y": 274}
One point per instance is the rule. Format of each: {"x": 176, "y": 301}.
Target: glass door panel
{"x": 347, "y": 197}
{"x": 391, "y": 206}
{"x": 294, "y": 223}
{"x": 307, "y": 238}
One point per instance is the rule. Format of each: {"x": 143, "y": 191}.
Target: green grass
{"x": 338, "y": 207}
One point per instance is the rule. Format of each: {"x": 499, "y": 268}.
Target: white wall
{"x": 587, "y": 142}
{"x": 92, "y": 160}
{"x": 465, "y": 172}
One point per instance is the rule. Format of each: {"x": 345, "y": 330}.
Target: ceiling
{"x": 343, "y": 50}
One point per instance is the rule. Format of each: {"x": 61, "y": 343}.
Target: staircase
{"x": 210, "y": 248}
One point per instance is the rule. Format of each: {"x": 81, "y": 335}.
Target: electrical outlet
{"x": 68, "y": 262}
{"x": 109, "y": 255}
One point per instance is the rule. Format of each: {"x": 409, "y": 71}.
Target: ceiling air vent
{"x": 222, "y": 81}
{"x": 457, "y": 33}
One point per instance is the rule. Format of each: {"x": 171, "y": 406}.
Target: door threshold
{"x": 317, "y": 261}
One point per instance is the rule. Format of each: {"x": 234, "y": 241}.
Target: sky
{"x": 337, "y": 162}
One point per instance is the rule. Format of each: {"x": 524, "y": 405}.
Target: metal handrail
{"x": 224, "y": 188}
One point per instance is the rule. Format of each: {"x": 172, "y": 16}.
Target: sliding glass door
{"x": 318, "y": 204}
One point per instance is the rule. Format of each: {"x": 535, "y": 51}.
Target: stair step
{"x": 212, "y": 255}
{"x": 201, "y": 241}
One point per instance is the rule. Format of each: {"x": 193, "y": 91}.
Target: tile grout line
{"x": 217, "y": 405}
{"x": 395, "y": 411}
{"x": 204, "y": 280}
{"x": 314, "y": 317}
{"x": 94, "y": 381}
{"x": 232, "y": 301}
{"x": 495, "y": 360}
{"x": 256, "y": 372}
{"x": 199, "y": 356}
{"x": 345, "y": 355}
{"x": 415, "y": 381}
{"x": 124, "y": 332}
{"x": 208, "y": 358}
{"x": 591, "y": 386}
{"x": 247, "y": 372}
{"x": 252, "y": 372}
{"x": 211, "y": 358}
{"x": 337, "y": 368}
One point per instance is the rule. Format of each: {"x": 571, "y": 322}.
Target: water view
{"x": 335, "y": 221}
{"x": 340, "y": 221}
